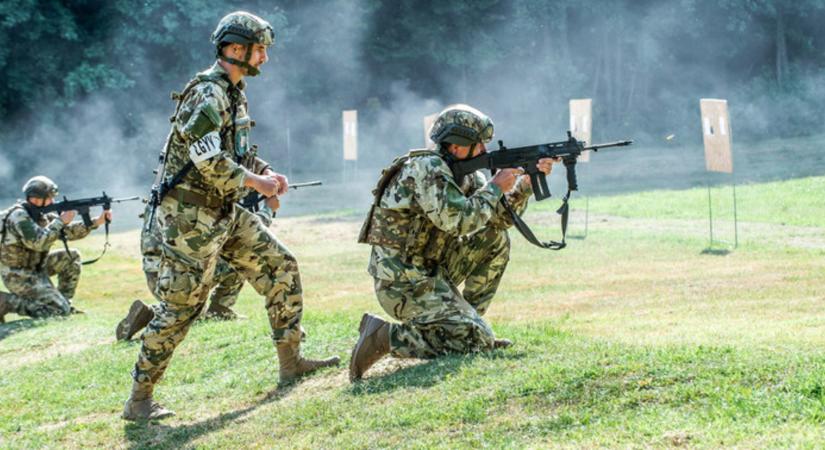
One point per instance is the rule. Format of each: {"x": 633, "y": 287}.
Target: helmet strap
{"x": 250, "y": 70}
{"x": 472, "y": 149}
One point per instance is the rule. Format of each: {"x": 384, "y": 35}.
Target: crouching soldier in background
{"x": 26, "y": 262}
{"x": 228, "y": 281}
{"x": 430, "y": 233}
{"x": 206, "y": 164}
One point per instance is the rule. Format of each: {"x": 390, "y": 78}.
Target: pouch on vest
{"x": 242, "y": 127}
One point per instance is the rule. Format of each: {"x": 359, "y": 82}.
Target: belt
{"x": 194, "y": 198}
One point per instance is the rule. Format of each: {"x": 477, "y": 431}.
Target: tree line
{"x": 644, "y": 62}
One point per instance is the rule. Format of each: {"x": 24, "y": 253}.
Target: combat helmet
{"x": 40, "y": 187}
{"x": 461, "y": 125}
{"x": 241, "y": 27}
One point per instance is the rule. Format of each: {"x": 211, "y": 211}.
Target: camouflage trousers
{"x": 194, "y": 240}
{"x": 34, "y": 294}
{"x": 228, "y": 283}
{"x": 436, "y": 318}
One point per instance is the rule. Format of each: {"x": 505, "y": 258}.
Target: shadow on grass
{"x": 154, "y": 434}
{"x": 10, "y": 328}
{"x": 428, "y": 374}
{"x": 716, "y": 251}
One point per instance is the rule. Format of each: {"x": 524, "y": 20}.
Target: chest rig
{"x": 164, "y": 185}
{"x": 409, "y": 231}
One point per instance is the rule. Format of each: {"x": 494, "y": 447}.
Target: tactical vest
{"x": 15, "y": 255}
{"x": 203, "y": 195}
{"x": 417, "y": 239}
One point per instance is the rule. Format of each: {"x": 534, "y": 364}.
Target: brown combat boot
{"x": 501, "y": 343}
{"x": 372, "y": 345}
{"x": 138, "y": 317}
{"x": 293, "y": 365}
{"x": 140, "y": 405}
{"x": 5, "y": 306}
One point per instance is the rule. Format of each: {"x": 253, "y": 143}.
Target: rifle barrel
{"x": 597, "y": 147}
{"x": 125, "y": 199}
{"x": 306, "y": 184}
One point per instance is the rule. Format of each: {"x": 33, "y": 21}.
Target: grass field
{"x": 632, "y": 337}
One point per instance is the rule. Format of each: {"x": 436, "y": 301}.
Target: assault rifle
{"x": 526, "y": 158}
{"x": 253, "y": 200}
{"x": 82, "y": 206}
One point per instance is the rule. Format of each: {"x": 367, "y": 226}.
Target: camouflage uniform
{"x": 200, "y": 223}
{"x": 227, "y": 281}
{"x": 429, "y": 235}
{"x": 26, "y": 262}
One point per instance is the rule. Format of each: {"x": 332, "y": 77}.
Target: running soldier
{"x": 207, "y": 161}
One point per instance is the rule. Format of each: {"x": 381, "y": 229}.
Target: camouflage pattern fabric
{"x": 195, "y": 237}
{"x": 463, "y": 125}
{"x": 259, "y": 28}
{"x": 436, "y": 317}
{"x": 34, "y": 294}
{"x": 26, "y": 262}
{"x": 227, "y": 281}
{"x": 204, "y": 133}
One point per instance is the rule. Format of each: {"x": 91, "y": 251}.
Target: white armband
{"x": 206, "y": 147}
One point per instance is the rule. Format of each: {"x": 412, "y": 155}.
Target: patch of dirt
{"x": 36, "y": 354}
{"x": 91, "y": 418}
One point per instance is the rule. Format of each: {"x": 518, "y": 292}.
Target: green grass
{"x": 793, "y": 202}
{"x": 630, "y": 337}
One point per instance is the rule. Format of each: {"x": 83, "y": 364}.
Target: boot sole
{"x": 123, "y": 332}
{"x": 361, "y": 337}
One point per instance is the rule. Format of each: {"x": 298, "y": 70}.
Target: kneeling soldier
{"x": 26, "y": 262}
{"x": 430, "y": 233}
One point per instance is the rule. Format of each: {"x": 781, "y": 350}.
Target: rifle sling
{"x": 106, "y": 245}
{"x": 528, "y": 234}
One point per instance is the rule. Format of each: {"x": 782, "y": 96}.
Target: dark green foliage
{"x": 644, "y": 62}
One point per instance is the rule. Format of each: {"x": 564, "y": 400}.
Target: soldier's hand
{"x": 102, "y": 218}
{"x": 266, "y": 185}
{"x": 67, "y": 216}
{"x": 545, "y": 165}
{"x": 505, "y": 179}
{"x": 273, "y": 203}
{"x": 283, "y": 184}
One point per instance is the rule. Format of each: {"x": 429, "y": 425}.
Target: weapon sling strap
{"x": 528, "y": 234}
{"x": 106, "y": 245}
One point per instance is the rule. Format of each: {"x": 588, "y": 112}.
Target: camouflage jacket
{"x": 425, "y": 193}
{"x": 26, "y": 242}
{"x": 211, "y": 129}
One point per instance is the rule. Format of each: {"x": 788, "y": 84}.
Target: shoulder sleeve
{"x": 32, "y": 235}
{"x": 199, "y": 123}
{"x": 441, "y": 199}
